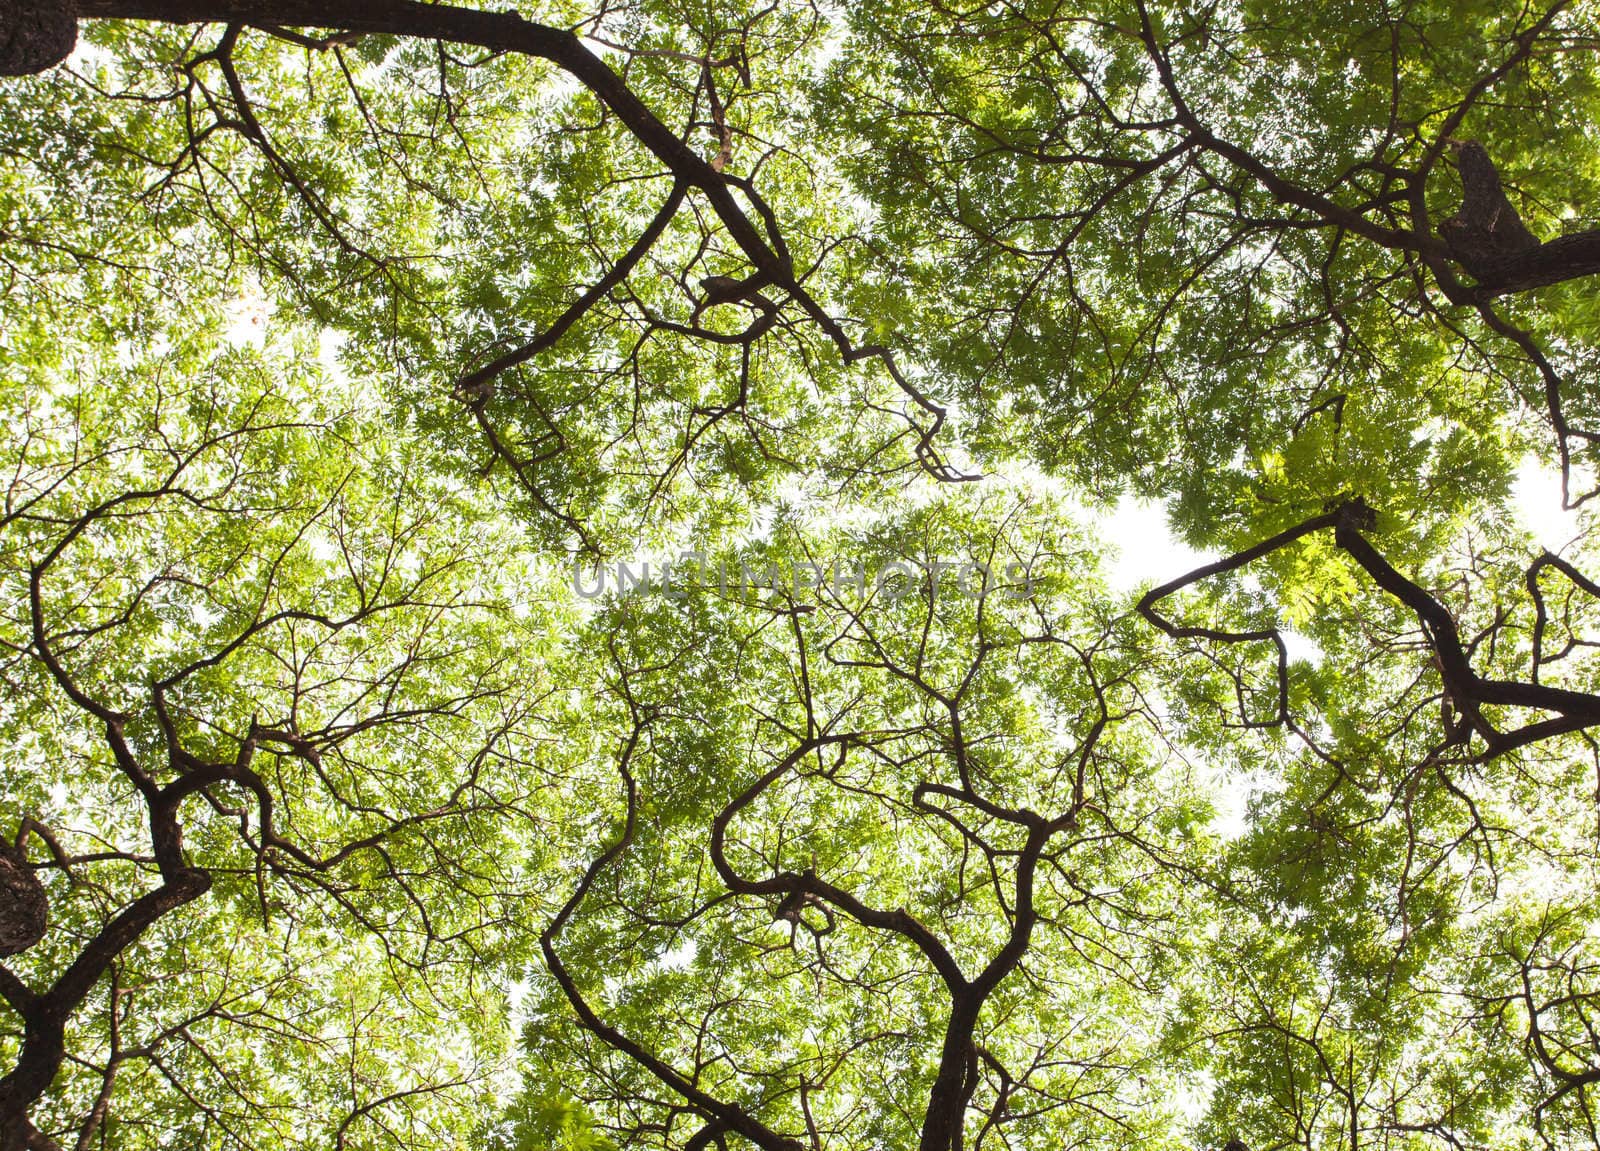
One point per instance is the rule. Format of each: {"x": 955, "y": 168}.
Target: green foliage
{"x": 896, "y": 791}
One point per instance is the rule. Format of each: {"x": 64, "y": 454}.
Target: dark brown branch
{"x": 24, "y": 910}
{"x": 45, "y": 1017}
{"x": 475, "y": 384}
{"x": 1464, "y": 687}
{"x": 898, "y": 921}
{"x": 1552, "y": 262}
{"x": 1488, "y": 238}
{"x": 509, "y": 32}
{"x": 1281, "y": 188}
{"x": 724, "y": 1116}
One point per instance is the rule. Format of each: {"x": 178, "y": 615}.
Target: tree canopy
{"x": 559, "y": 578}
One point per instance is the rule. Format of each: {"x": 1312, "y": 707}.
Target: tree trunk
{"x": 24, "y": 911}
{"x": 1490, "y": 241}
{"x": 36, "y": 35}
{"x": 1561, "y": 259}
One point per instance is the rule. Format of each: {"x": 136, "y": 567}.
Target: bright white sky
{"x": 1147, "y": 549}
{"x": 1537, "y": 499}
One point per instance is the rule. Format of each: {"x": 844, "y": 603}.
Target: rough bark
{"x": 1564, "y": 258}
{"x": 36, "y": 36}
{"x": 24, "y": 911}
{"x": 1488, "y": 238}
{"x": 1488, "y": 222}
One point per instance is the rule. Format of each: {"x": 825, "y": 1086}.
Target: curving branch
{"x": 719, "y": 1115}
{"x": 1464, "y": 689}
{"x": 509, "y": 32}
{"x": 169, "y": 758}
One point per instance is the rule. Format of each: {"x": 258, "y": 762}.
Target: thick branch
{"x": 24, "y": 911}
{"x": 1553, "y": 262}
